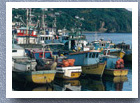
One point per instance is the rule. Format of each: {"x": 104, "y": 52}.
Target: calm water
{"x": 88, "y": 83}
{"x": 115, "y": 37}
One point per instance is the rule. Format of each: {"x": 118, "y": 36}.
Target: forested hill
{"x": 93, "y": 19}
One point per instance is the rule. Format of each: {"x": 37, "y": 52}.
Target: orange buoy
{"x": 65, "y": 63}
{"x": 121, "y": 60}
{"x": 71, "y": 62}
{"x": 120, "y": 64}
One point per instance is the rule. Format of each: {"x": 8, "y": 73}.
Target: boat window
{"x": 14, "y": 50}
{"x": 24, "y": 31}
{"x": 30, "y": 32}
{"x": 93, "y": 55}
{"x": 86, "y": 55}
{"x": 40, "y": 55}
{"x": 21, "y": 31}
{"x": 102, "y": 44}
{"x": 90, "y": 55}
{"x": 97, "y": 55}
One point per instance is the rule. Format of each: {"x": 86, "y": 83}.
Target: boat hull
{"x": 96, "y": 69}
{"x": 39, "y": 77}
{"x": 116, "y": 72}
{"x": 71, "y": 72}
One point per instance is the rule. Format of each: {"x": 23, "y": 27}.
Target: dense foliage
{"x": 93, "y": 19}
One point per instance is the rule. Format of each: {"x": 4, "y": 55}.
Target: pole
{"x": 27, "y": 27}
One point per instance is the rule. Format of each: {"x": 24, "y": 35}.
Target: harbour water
{"x": 86, "y": 83}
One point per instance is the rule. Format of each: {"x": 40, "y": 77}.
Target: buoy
{"x": 71, "y": 62}
{"x": 65, "y": 63}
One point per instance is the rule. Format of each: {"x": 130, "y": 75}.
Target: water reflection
{"x": 114, "y": 83}
{"x": 82, "y": 84}
{"x": 92, "y": 84}
{"x": 24, "y": 86}
{"x": 67, "y": 85}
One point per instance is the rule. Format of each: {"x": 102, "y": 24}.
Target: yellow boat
{"x": 96, "y": 69}
{"x": 68, "y": 72}
{"x": 89, "y": 60}
{"x": 44, "y": 76}
{"x": 116, "y": 72}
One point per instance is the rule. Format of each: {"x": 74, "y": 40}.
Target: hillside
{"x": 93, "y": 19}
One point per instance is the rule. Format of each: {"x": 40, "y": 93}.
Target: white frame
{"x": 73, "y": 94}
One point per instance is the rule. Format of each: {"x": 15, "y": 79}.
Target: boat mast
{"x": 27, "y": 39}
{"x": 43, "y": 22}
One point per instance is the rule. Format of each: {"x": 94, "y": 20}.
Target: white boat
{"x": 20, "y": 61}
{"x": 67, "y": 70}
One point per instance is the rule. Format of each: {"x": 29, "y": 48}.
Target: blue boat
{"x": 114, "y": 65}
{"x": 89, "y": 60}
{"x": 109, "y": 47}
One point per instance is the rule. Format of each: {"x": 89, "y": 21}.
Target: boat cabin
{"x": 85, "y": 57}
{"x": 110, "y": 60}
{"x": 101, "y": 44}
{"x": 17, "y": 51}
{"x": 24, "y": 31}
{"x": 43, "y": 38}
{"x": 26, "y": 36}
{"x": 38, "y": 53}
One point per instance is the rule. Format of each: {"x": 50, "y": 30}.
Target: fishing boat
{"x": 128, "y": 51}
{"x": 108, "y": 46}
{"x": 114, "y": 65}
{"x": 74, "y": 41}
{"x": 67, "y": 70}
{"x": 114, "y": 51}
{"x": 26, "y": 69}
{"x": 89, "y": 60}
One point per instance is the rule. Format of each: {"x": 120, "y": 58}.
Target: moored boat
{"x": 128, "y": 51}
{"x": 116, "y": 72}
{"x": 114, "y": 66}
{"x": 26, "y": 69}
{"x": 89, "y": 60}
{"x": 67, "y": 70}
{"x": 108, "y": 46}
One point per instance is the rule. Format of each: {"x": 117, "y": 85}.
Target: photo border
{"x": 73, "y": 94}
